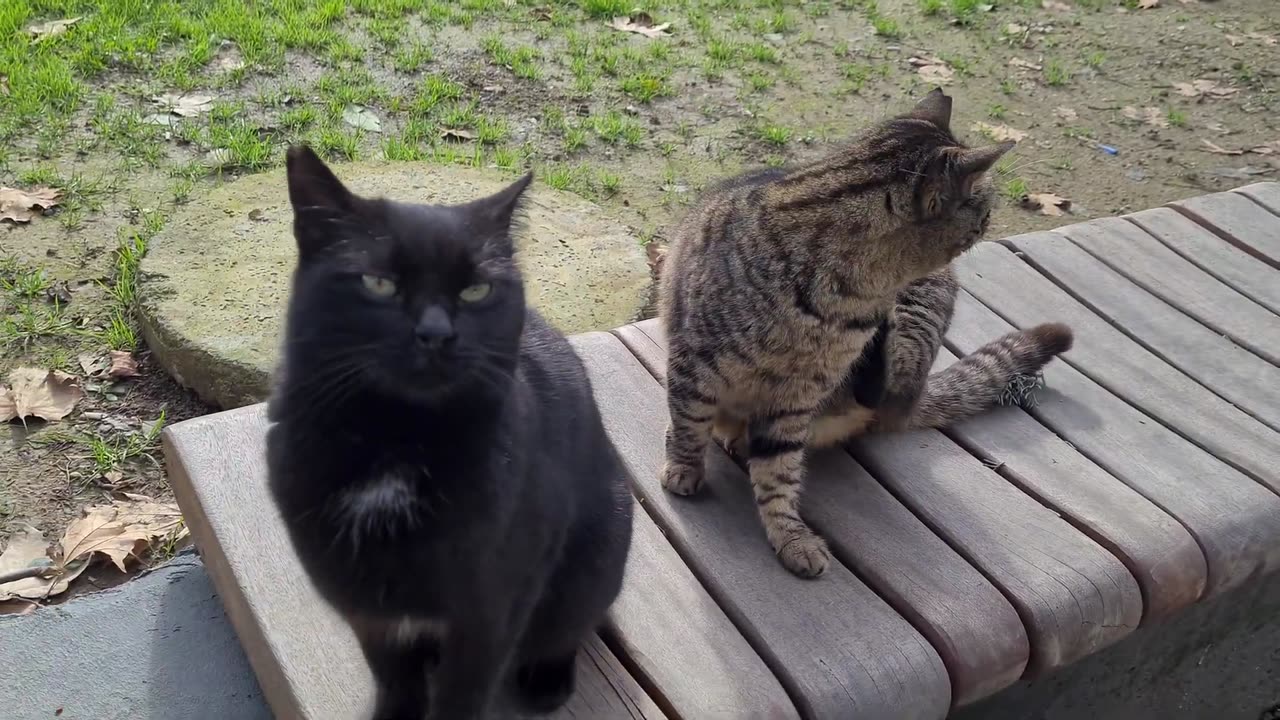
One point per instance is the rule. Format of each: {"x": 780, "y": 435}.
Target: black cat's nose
{"x": 435, "y": 329}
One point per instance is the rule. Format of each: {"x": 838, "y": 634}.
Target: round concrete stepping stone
{"x": 215, "y": 280}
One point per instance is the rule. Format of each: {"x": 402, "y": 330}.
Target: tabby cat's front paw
{"x": 805, "y": 555}
{"x": 681, "y": 479}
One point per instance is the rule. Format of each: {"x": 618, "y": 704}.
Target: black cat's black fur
{"x": 437, "y": 455}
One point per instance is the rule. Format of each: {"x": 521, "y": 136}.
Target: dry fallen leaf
{"x": 183, "y": 104}
{"x": 999, "y": 133}
{"x": 1202, "y": 88}
{"x": 1270, "y": 148}
{"x": 1218, "y": 128}
{"x": 640, "y": 24}
{"x": 28, "y": 548}
{"x": 1047, "y": 203}
{"x": 456, "y": 134}
{"x": 1218, "y": 149}
{"x": 932, "y": 69}
{"x": 18, "y": 205}
{"x": 1148, "y": 4}
{"x": 358, "y": 116}
{"x": 4, "y": 85}
{"x": 44, "y": 30}
{"x": 1065, "y": 113}
{"x": 94, "y": 365}
{"x": 1264, "y": 39}
{"x": 1055, "y": 5}
{"x": 1235, "y": 40}
{"x": 47, "y": 394}
{"x": 1149, "y": 115}
{"x": 119, "y": 529}
{"x": 1024, "y": 64}
{"x": 123, "y": 365}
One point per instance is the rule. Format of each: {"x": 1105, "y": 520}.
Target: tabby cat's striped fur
{"x": 778, "y": 280}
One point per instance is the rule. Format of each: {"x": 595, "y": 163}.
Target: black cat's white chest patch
{"x": 382, "y": 502}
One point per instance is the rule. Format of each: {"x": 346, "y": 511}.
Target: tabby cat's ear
{"x": 934, "y": 107}
{"x": 953, "y": 176}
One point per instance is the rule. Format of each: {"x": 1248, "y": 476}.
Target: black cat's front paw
{"x": 545, "y": 685}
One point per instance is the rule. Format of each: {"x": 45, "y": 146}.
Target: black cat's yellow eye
{"x": 475, "y": 293}
{"x": 380, "y": 286}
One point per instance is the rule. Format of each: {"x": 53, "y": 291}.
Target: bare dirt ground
{"x": 1117, "y": 106}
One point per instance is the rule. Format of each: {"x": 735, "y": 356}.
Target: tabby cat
{"x": 437, "y": 456}
{"x": 779, "y": 279}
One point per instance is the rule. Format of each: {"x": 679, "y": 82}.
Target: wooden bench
{"x": 1144, "y": 484}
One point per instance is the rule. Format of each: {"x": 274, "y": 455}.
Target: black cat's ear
{"x": 935, "y": 108}
{"x": 498, "y": 209}
{"x": 318, "y": 197}
{"x": 492, "y": 217}
{"x": 312, "y": 185}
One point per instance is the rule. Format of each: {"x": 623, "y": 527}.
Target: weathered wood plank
{"x": 971, "y": 625}
{"x": 1237, "y": 220}
{"x": 688, "y": 654}
{"x": 838, "y": 648}
{"x": 1235, "y": 520}
{"x": 1158, "y": 551}
{"x": 1248, "y": 275}
{"x": 1250, "y": 382}
{"x": 1129, "y": 251}
{"x": 305, "y": 657}
{"x": 1024, "y": 297}
{"x": 1074, "y": 597}
{"x": 1265, "y": 194}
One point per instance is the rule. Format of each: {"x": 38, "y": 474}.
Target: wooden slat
{"x": 1073, "y": 596}
{"x": 970, "y": 624}
{"x": 1158, "y": 551}
{"x": 690, "y": 656}
{"x": 305, "y": 657}
{"x": 1247, "y": 274}
{"x": 1235, "y": 521}
{"x": 1250, "y": 382}
{"x": 1265, "y": 194}
{"x": 1237, "y": 220}
{"x": 1024, "y": 298}
{"x": 1131, "y": 252}
{"x": 838, "y": 648}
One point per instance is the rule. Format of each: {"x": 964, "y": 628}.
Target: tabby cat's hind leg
{"x": 776, "y": 449}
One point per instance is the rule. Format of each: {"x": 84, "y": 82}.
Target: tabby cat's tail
{"x": 1003, "y": 370}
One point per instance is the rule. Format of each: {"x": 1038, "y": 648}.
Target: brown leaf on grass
{"x": 541, "y": 14}
{"x": 184, "y": 104}
{"x": 19, "y": 205}
{"x": 640, "y": 24}
{"x": 456, "y": 134}
{"x": 47, "y": 394}
{"x": 1150, "y": 115}
{"x": 1047, "y": 203}
{"x": 1204, "y": 88}
{"x": 120, "y": 529}
{"x": 1055, "y": 5}
{"x": 1216, "y": 149}
{"x": 28, "y": 548}
{"x": 52, "y": 28}
{"x": 1024, "y": 64}
{"x": 4, "y": 85}
{"x": 123, "y": 365}
{"x": 1000, "y": 132}
{"x": 1148, "y": 4}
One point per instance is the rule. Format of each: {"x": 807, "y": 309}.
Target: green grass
{"x": 997, "y": 111}
{"x": 775, "y": 134}
{"x": 1014, "y": 189}
{"x": 606, "y": 8}
{"x": 613, "y": 127}
{"x": 931, "y": 7}
{"x": 1056, "y": 74}
{"x": 522, "y": 61}
{"x": 1176, "y": 118}
{"x": 411, "y": 59}
{"x": 645, "y": 86}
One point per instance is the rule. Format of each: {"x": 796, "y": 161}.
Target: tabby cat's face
{"x": 417, "y": 301}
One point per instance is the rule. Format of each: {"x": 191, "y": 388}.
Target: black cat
{"x": 437, "y": 455}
